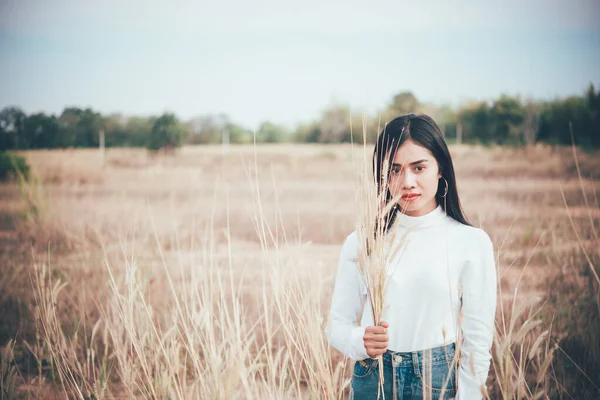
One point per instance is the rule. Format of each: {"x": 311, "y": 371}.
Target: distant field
{"x": 210, "y": 280}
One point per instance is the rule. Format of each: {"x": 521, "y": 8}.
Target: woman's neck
{"x": 433, "y": 217}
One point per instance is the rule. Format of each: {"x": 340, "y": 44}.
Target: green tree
{"x": 42, "y": 131}
{"x": 88, "y": 128}
{"x": 557, "y": 118}
{"x": 404, "y": 103}
{"x": 80, "y": 127}
{"x": 68, "y": 121}
{"x": 207, "y": 129}
{"x": 445, "y": 117}
{"x": 12, "y": 121}
{"x": 114, "y": 130}
{"x": 507, "y": 115}
{"x": 592, "y": 100}
{"x": 167, "y": 133}
{"x": 12, "y": 165}
{"x": 238, "y": 134}
{"x": 335, "y": 125}
{"x": 531, "y": 122}
{"x": 127, "y": 131}
{"x": 477, "y": 123}
{"x": 271, "y": 133}
{"x": 137, "y": 131}
{"x": 307, "y": 133}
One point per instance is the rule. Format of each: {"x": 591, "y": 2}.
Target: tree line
{"x": 507, "y": 120}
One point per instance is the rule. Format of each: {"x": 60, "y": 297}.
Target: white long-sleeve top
{"x": 422, "y": 303}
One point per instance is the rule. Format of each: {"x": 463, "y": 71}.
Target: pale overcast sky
{"x": 286, "y": 61}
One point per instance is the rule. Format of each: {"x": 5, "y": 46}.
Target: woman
{"x": 438, "y": 322}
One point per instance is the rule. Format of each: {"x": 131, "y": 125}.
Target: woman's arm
{"x": 478, "y": 280}
{"x": 346, "y": 304}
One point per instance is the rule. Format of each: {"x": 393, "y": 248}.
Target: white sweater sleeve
{"x": 346, "y": 304}
{"x": 478, "y": 280}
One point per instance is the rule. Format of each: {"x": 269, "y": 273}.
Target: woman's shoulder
{"x": 350, "y": 243}
{"x": 471, "y": 235}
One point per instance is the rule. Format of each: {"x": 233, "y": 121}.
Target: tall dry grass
{"x": 377, "y": 249}
{"x": 209, "y": 276}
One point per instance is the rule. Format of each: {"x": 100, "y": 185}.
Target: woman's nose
{"x": 409, "y": 180}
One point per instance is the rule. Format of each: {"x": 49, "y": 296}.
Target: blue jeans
{"x": 425, "y": 374}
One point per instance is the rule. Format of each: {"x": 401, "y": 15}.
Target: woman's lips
{"x": 410, "y": 197}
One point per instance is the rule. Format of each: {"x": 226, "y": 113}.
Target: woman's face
{"x": 414, "y": 175}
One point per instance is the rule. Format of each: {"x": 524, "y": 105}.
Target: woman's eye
{"x": 419, "y": 168}
{"x": 395, "y": 170}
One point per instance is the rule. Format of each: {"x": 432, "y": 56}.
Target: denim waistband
{"x": 441, "y": 354}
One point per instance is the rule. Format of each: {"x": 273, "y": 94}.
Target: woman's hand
{"x": 376, "y": 340}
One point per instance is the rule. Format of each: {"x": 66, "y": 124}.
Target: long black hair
{"x": 422, "y": 130}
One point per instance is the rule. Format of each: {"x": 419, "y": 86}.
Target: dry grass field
{"x": 207, "y": 274}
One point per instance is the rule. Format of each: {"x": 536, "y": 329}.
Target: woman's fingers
{"x": 377, "y": 329}
{"x": 379, "y": 345}
{"x": 378, "y": 337}
{"x": 376, "y": 340}
{"x": 374, "y": 353}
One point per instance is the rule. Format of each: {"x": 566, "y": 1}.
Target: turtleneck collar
{"x": 433, "y": 217}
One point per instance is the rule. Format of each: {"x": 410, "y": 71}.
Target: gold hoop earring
{"x": 446, "y": 191}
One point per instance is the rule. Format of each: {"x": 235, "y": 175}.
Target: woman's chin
{"x": 416, "y": 207}
{"x": 411, "y": 204}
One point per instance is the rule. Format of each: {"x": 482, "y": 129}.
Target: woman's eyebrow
{"x": 412, "y": 163}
